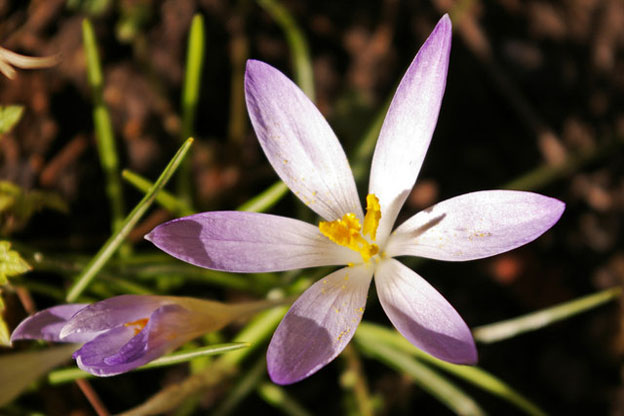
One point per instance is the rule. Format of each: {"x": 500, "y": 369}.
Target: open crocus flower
{"x": 307, "y": 156}
{"x": 127, "y": 331}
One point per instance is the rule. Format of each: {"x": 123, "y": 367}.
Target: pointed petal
{"x": 302, "y": 148}
{"x": 422, "y": 315}
{"x": 409, "y": 125}
{"x": 248, "y": 242}
{"x": 111, "y": 313}
{"x": 47, "y": 324}
{"x": 318, "y": 325}
{"x": 475, "y": 225}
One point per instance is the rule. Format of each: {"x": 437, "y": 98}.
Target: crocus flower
{"x": 125, "y": 332}
{"x": 307, "y": 156}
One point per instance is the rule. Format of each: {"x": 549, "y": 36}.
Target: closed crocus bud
{"x": 125, "y": 332}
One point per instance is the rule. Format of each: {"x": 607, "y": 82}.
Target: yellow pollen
{"x": 346, "y": 231}
{"x": 373, "y": 215}
{"x": 138, "y": 325}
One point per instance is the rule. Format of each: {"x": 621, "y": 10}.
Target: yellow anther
{"x": 347, "y": 230}
{"x": 138, "y": 325}
{"x": 373, "y": 215}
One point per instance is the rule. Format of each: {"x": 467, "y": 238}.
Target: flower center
{"x": 346, "y": 231}
{"x": 137, "y": 325}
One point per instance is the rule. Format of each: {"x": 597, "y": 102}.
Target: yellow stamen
{"x": 138, "y": 325}
{"x": 346, "y": 231}
{"x": 373, "y": 215}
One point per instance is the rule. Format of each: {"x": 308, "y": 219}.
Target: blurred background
{"x": 534, "y": 101}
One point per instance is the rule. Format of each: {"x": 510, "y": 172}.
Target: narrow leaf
{"x": 499, "y": 331}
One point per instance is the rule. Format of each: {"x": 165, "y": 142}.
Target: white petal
{"x": 409, "y": 125}
{"x": 422, "y": 315}
{"x": 475, "y": 225}
{"x": 319, "y": 325}
{"x": 302, "y": 148}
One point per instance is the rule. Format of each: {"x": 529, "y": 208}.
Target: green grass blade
{"x": 510, "y": 328}
{"x": 277, "y": 397}
{"x": 107, "y": 150}
{"x": 428, "y": 380}
{"x": 301, "y": 61}
{"x": 244, "y": 386}
{"x": 265, "y": 200}
{"x": 260, "y": 328}
{"x": 369, "y": 332}
{"x": 107, "y": 250}
{"x": 65, "y": 375}
{"x": 190, "y": 98}
{"x": 167, "y": 200}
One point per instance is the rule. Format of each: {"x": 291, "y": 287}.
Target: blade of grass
{"x": 245, "y": 385}
{"x": 265, "y": 200}
{"x": 302, "y": 64}
{"x": 103, "y": 128}
{"x": 369, "y": 332}
{"x": 115, "y": 240}
{"x": 167, "y": 200}
{"x": 499, "y": 331}
{"x": 277, "y": 397}
{"x": 428, "y": 380}
{"x": 190, "y": 98}
{"x": 65, "y": 375}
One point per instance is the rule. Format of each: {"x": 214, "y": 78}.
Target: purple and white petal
{"x": 475, "y": 225}
{"x": 248, "y": 242}
{"x": 302, "y": 148}
{"x": 420, "y": 313}
{"x": 409, "y": 125}
{"x": 112, "y": 312}
{"x": 48, "y": 323}
{"x": 318, "y": 325}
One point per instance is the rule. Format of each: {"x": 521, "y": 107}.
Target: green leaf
{"x": 9, "y": 116}
{"x": 11, "y": 263}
